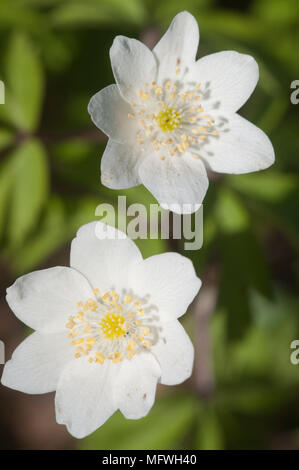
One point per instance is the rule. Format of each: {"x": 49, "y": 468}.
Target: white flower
{"x": 169, "y": 117}
{"x": 106, "y": 329}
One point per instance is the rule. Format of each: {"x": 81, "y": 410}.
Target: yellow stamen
{"x": 168, "y": 119}
{"x": 100, "y": 358}
{"x": 112, "y": 325}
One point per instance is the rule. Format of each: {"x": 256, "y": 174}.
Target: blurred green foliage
{"x": 54, "y": 57}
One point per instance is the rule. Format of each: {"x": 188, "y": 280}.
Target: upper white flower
{"x": 106, "y": 329}
{"x": 169, "y": 116}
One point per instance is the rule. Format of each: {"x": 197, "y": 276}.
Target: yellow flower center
{"x": 176, "y": 107}
{"x": 113, "y": 326}
{"x": 109, "y": 327}
{"x": 168, "y": 119}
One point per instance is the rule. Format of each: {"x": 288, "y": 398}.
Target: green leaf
{"x": 48, "y": 237}
{"x": 72, "y": 151}
{"x": 231, "y": 214}
{"x": 232, "y": 25}
{"x": 279, "y": 193}
{"x": 25, "y": 83}
{"x": 77, "y": 13}
{"x": 243, "y": 268}
{"x": 20, "y": 16}
{"x": 77, "y": 163}
{"x": 6, "y": 138}
{"x": 251, "y": 397}
{"x": 6, "y": 181}
{"x": 30, "y": 188}
{"x": 242, "y": 261}
{"x": 274, "y": 114}
{"x": 265, "y": 351}
{"x": 267, "y": 186}
{"x": 277, "y": 12}
{"x": 82, "y": 213}
{"x": 209, "y": 435}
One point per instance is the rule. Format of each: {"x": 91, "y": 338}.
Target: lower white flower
{"x": 106, "y": 329}
{"x": 169, "y": 117}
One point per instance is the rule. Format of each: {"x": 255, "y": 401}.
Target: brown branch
{"x": 204, "y": 307}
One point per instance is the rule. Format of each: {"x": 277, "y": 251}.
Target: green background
{"x": 54, "y": 56}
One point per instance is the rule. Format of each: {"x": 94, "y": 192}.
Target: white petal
{"x": 134, "y": 393}
{"x": 109, "y": 112}
{"x": 178, "y": 47}
{"x": 83, "y": 399}
{"x": 133, "y": 65}
{"x": 227, "y": 79}
{"x": 177, "y": 180}
{"x": 170, "y": 282}
{"x": 104, "y": 255}
{"x": 44, "y": 299}
{"x": 241, "y": 148}
{"x": 37, "y": 363}
{"x": 119, "y": 166}
{"x": 174, "y": 352}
